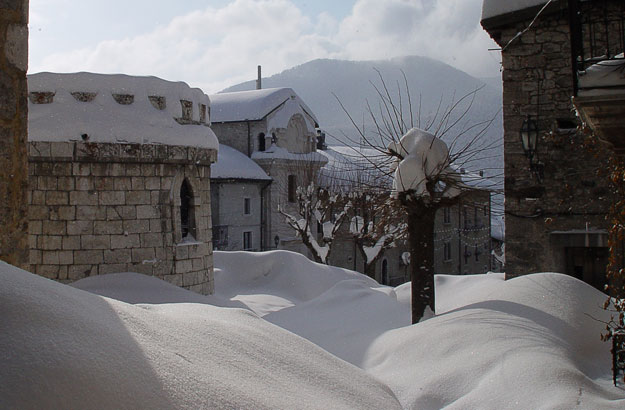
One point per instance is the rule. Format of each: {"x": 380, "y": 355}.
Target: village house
{"x": 119, "y": 171}
{"x": 555, "y": 201}
{"x": 276, "y": 129}
{"x": 239, "y": 193}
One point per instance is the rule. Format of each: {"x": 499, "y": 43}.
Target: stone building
{"x": 555, "y": 202}
{"x": 13, "y": 131}
{"x": 239, "y": 190}
{"x": 276, "y": 129}
{"x": 119, "y": 178}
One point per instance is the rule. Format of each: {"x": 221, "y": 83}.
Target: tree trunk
{"x": 421, "y": 242}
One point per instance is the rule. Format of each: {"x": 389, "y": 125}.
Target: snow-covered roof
{"x": 116, "y": 108}
{"x": 232, "y": 164}
{"x": 258, "y": 104}
{"x": 494, "y": 8}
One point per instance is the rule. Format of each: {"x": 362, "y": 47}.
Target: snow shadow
{"x": 65, "y": 348}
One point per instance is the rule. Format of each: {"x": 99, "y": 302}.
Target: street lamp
{"x": 529, "y": 140}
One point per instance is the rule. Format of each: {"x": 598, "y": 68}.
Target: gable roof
{"x": 253, "y": 105}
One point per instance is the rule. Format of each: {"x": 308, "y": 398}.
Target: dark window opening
{"x": 447, "y": 251}
{"x": 247, "y": 206}
{"x": 292, "y": 188}
{"x": 186, "y": 210}
{"x": 385, "y": 280}
{"x": 446, "y": 215}
{"x": 247, "y": 240}
{"x": 261, "y": 142}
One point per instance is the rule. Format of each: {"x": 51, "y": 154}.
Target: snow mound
{"x": 346, "y": 319}
{"x": 274, "y": 280}
{"x": 136, "y": 288}
{"x": 61, "y": 347}
{"x": 530, "y": 342}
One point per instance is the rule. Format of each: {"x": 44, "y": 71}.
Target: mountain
{"x": 433, "y": 85}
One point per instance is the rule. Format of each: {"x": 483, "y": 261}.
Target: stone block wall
{"x": 242, "y": 136}
{"x": 13, "y": 132}
{"x": 572, "y": 195}
{"x": 103, "y": 208}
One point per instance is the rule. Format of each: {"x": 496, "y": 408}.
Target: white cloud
{"x": 217, "y": 47}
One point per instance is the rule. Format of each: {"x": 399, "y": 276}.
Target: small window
{"x": 247, "y": 240}
{"x": 485, "y": 210}
{"x": 203, "y": 113}
{"x": 187, "y": 222}
{"x": 447, "y": 215}
{"x": 261, "y": 142}
{"x": 292, "y": 188}
{"x": 467, "y": 254}
{"x": 385, "y": 280}
{"x": 247, "y": 206}
{"x": 447, "y": 251}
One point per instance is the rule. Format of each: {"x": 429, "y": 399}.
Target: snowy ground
{"x": 529, "y": 343}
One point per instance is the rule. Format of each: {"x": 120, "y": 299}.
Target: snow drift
{"x": 530, "y": 342}
{"x": 61, "y": 347}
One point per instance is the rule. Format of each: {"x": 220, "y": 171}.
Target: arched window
{"x": 385, "y": 280}
{"x": 261, "y": 141}
{"x": 187, "y": 217}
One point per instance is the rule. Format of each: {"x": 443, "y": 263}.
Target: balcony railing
{"x": 597, "y": 35}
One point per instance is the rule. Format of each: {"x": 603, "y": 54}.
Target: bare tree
{"x": 423, "y": 158}
{"x": 318, "y": 208}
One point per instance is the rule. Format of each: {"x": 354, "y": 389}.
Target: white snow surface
{"x": 104, "y": 120}
{"x": 423, "y": 156}
{"x": 277, "y": 104}
{"x": 493, "y": 8}
{"x": 64, "y": 348}
{"x": 607, "y": 73}
{"x": 232, "y": 163}
{"x": 530, "y": 342}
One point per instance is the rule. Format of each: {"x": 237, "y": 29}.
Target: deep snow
{"x": 530, "y": 342}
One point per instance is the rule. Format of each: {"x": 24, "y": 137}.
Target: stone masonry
{"x": 572, "y": 196}
{"x": 13, "y": 131}
{"x": 99, "y": 208}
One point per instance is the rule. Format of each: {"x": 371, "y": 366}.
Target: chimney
{"x": 259, "y": 84}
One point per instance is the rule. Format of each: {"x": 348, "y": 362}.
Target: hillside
{"x": 429, "y": 81}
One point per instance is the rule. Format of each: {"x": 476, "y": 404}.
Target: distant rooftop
{"x": 255, "y": 105}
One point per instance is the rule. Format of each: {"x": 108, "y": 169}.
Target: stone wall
{"x": 13, "y": 132}
{"x": 538, "y": 83}
{"x": 242, "y": 136}
{"x": 103, "y": 208}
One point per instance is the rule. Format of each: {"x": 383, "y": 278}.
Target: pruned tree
{"x": 424, "y": 168}
{"x": 318, "y": 207}
{"x": 375, "y": 226}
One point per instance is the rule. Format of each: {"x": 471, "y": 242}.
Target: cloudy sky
{"x": 213, "y": 44}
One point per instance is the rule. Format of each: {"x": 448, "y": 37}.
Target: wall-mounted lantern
{"x": 529, "y": 140}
